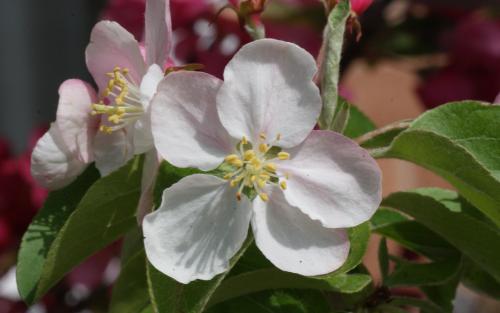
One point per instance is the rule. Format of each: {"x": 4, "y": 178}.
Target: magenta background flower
{"x": 360, "y": 6}
{"x": 473, "y": 72}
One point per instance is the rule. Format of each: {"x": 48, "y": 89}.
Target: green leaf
{"x": 44, "y": 229}
{"x": 444, "y": 294}
{"x": 383, "y": 259}
{"x": 382, "y": 138}
{"x": 330, "y": 64}
{"x": 469, "y": 235}
{"x": 460, "y": 142}
{"x": 277, "y": 301}
{"x": 475, "y": 278}
{"x": 272, "y": 278}
{"x": 418, "y": 274}
{"x": 385, "y": 217}
{"x": 418, "y": 238}
{"x": 170, "y": 296}
{"x": 130, "y": 291}
{"x": 358, "y": 123}
{"x": 106, "y": 212}
{"x": 358, "y": 237}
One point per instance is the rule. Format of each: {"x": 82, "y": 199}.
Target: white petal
{"x": 149, "y": 173}
{"x": 333, "y": 180}
{"x": 292, "y": 241}
{"x": 112, "y": 151}
{"x": 268, "y": 88}
{"x": 158, "y": 30}
{"x": 143, "y": 138}
{"x": 78, "y": 127}
{"x": 53, "y": 166}
{"x": 149, "y": 83}
{"x": 186, "y": 128}
{"x": 110, "y": 46}
{"x": 197, "y": 229}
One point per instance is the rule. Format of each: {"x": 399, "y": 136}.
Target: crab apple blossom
{"x": 299, "y": 189}
{"x": 66, "y": 149}
{"x": 127, "y": 81}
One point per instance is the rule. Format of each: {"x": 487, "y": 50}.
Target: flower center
{"x": 253, "y": 168}
{"x": 124, "y": 98}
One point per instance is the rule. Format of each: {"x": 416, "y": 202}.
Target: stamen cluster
{"x": 125, "y": 106}
{"x": 255, "y": 168}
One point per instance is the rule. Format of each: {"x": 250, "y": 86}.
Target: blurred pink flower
{"x": 474, "y": 70}
{"x": 448, "y": 85}
{"x": 360, "y": 6}
{"x": 91, "y": 273}
{"x": 128, "y": 13}
{"x": 476, "y": 43}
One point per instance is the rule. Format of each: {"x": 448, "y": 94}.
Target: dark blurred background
{"x": 43, "y": 43}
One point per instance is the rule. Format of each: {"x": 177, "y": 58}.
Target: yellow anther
{"x": 115, "y": 118}
{"x": 253, "y": 178}
{"x": 106, "y": 129}
{"x": 237, "y": 163}
{"x": 244, "y": 140}
{"x": 264, "y": 176}
{"x": 228, "y": 175}
{"x": 125, "y": 71}
{"x": 255, "y": 163}
{"x": 110, "y": 74}
{"x": 283, "y": 155}
{"x": 119, "y": 100}
{"x": 264, "y": 197}
{"x": 233, "y": 183}
{"x": 261, "y": 183}
{"x": 116, "y": 69}
{"x": 283, "y": 184}
{"x": 231, "y": 158}
{"x": 249, "y": 155}
{"x": 262, "y": 136}
{"x": 263, "y": 147}
{"x": 271, "y": 167}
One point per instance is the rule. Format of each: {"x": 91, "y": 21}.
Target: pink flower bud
{"x": 360, "y": 6}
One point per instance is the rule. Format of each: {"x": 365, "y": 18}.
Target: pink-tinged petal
{"x": 198, "y": 227}
{"x": 292, "y": 241}
{"x": 78, "y": 127}
{"x": 268, "y": 88}
{"x": 143, "y": 138}
{"x": 112, "y": 151}
{"x": 186, "y": 128}
{"x": 159, "y": 39}
{"x": 53, "y": 166}
{"x": 111, "y": 46}
{"x": 149, "y": 172}
{"x": 333, "y": 180}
